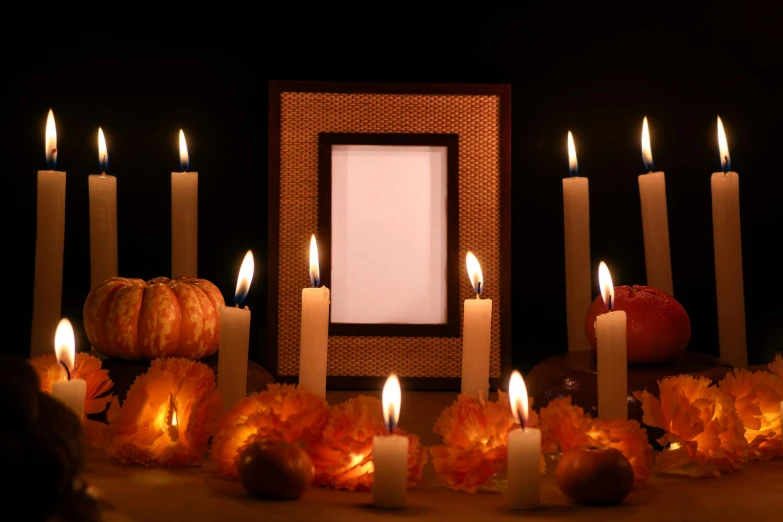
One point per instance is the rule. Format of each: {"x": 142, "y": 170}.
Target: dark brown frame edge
{"x": 503, "y": 92}
{"x": 326, "y": 140}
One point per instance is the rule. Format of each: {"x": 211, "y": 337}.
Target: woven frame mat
{"x": 476, "y": 119}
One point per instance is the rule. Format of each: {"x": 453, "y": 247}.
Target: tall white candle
{"x": 103, "y": 219}
{"x": 728, "y": 259}
{"x": 390, "y": 453}
{"x": 234, "y": 340}
{"x": 610, "y": 332}
{"x": 70, "y": 391}
{"x": 524, "y": 451}
{"x": 314, "y": 334}
{"x": 655, "y": 221}
{"x": 184, "y": 216}
{"x": 476, "y": 334}
{"x": 49, "y": 244}
{"x": 576, "y": 222}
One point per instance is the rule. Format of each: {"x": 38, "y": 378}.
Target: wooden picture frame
{"x": 480, "y": 117}
{"x": 326, "y": 142}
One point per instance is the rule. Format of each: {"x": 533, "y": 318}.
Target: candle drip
{"x": 67, "y": 371}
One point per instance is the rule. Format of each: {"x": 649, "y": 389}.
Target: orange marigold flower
{"x": 168, "y": 416}
{"x": 343, "y": 459}
{"x": 631, "y": 439}
{"x": 475, "y": 435}
{"x": 564, "y": 425}
{"x": 97, "y": 397}
{"x": 776, "y": 366}
{"x": 702, "y": 427}
{"x": 282, "y": 413}
{"x": 757, "y": 397}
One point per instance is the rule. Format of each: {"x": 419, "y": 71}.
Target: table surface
{"x": 194, "y": 495}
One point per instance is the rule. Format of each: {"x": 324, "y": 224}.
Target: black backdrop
{"x": 573, "y": 67}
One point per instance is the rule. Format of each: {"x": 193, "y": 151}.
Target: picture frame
{"x": 302, "y": 116}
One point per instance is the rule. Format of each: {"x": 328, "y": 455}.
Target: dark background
{"x": 593, "y": 70}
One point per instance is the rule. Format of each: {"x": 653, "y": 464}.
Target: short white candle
{"x": 610, "y": 332}
{"x": 390, "y": 453}
{"x": 49, "y": 245}
{"x": 576, "y": 232}
{"x": 234, "y": 340}
{"x": 184, "y": 216}
{"x": 655, "y": 221}
{"x": 314, "y": 333}
{"x": 476, "y": 334}
{"x": 524, "y": 451}
{"x": 103, "y": 219}
{"x": 728, "y": 259}
{"x": 72, "y": 392}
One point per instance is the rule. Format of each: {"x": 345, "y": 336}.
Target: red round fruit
{"x": 658, "y": 327}
{"x": 275, "y": 470}
{"x": 594, "y": 476}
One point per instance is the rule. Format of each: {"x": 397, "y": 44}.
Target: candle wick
{"x": 67, "y": 371}
{"x": 521, "y": 420}
{"x": 609, "y": 304}
{"x": 478, "y": 290}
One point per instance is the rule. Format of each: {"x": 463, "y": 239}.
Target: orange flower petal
{"x": 776, "y": 366}
{"x": 143, "y": 430}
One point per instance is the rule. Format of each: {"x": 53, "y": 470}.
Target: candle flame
{"x": 391, "y": 399}
{"x": 723, "y": 145}
{"x": 646, "y": 149}
{"x": 65, "y": 344}
{"x": 103, "y": 154}
{"x": 474, "y": 273}
{"x": 51, "y": 141}
{"x": 573, "y": 166}
{"x": 607, "y": 288}
{"x": 184, "y": 159}
{"x": 174, "y": 418}
{"x": 245, "y": 277}
{"x": 517, "y": 394}
{"x": 315, "y": 271}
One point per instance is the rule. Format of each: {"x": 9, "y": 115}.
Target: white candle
{"x": 103, "y": 219}
{"x": 49, "y": 240}
{"x": 72, "y": 392}
{"x": 390, "y": 454}
{"x": 476, "y": 334}
{"x": 610, "y": 332}
{"x": 184, "y": 216}
{"x": 314, "y": 335}
{"x": 524, "y": 451}
{"x": 234, "y": 340}
{"x": 576, "y": 221}
{"x": 655, "y": 221}
{"x": 728, "y": 259}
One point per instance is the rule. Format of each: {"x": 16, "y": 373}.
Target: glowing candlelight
{"x": 184, "y": 216}
{"x": 476, "y": 338}
{"x": 390, "y": 453}
{"x": 314, "y": 333}
{"x": 610, "y": 332}
{"x": 524, "y": 451}
{"x": 70, "y": 391}
{"x": 103, "y": 219}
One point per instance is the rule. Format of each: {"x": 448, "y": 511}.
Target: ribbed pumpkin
{"x": 137, "y": 319}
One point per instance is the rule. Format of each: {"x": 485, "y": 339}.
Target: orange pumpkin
{"x": 134, "y": 319}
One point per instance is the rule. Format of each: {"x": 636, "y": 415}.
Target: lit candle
{"x": 524, "y": 451}
{"x": 184, "y": 216}
{"x": 314, "y": 336}
{"x": 103, "y": 219}
{"x": 390, "y": 453}
{"x": 476, "y": 334}
{"x": 71, "y": 392}
{"x": 728, "y": 259}
{"x": 576, "y": 221}
{"x": 234, "y": 340}
{"x": 612, "y": 354}
{"x": 655, "y": 221}
{"x": 49, "y": 239}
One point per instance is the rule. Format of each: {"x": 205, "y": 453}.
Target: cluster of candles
{"x": 655, "y": 225}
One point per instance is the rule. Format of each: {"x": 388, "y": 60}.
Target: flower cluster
{"x": 704, "y": 432}
{"x": 89, "y": 369}
{"x": 566, "y": 426}
{"x": 475, "y": 442}
{"x": 338, "y": 439}
{"x": 168, "y": 416}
